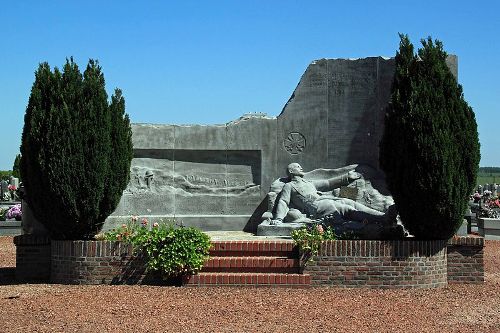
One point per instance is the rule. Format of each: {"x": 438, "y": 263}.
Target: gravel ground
{"x": 59, "y": 308}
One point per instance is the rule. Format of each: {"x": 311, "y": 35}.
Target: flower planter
{"x": 101, "y": 262}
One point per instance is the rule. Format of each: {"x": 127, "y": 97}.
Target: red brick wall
{"x": 380, "y": 264}
{"x": 97, "y": 262}
{"x": 357, "y": 263}
{"x": 466, "y": 260}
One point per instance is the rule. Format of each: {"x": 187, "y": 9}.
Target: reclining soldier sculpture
{"x": 302, "y": 201}
{"x": 304, "y": 195}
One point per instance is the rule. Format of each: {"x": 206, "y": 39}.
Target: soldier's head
{"x": 294, "y": 169}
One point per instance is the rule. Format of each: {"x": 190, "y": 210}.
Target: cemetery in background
{"x": 10, "y": 204}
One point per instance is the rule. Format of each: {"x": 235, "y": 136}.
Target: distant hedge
{"x": 489, "y": 170}
{"x": 76, "y": 150}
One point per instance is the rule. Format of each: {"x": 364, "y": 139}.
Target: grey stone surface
{"x": 4, "y": 189}
{"x": 333, "y": 118}
{"x": 271, "y": 230}
{"x": 462, "y": 231}
{"x": 341, "y": 198}
{"x": 30, "y": 224}
{"x": 10, "y": 228}
{"x": 14, "y": 181}
{"x": 489, "y": 228}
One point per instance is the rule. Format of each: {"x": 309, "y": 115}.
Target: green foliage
{"x": 127, "y": 232}
{"x": 309, "y": 238}
{"x": 76, "y": 150}
{"x": 488, "y": 170}
{"x": 170, "y": 251}
{"x": 430, "y": 147}
{"x": 174, "y": 251}
{"x": 15, "y": 167}
{"x": 3, "y": 213}
{"x": 488, "y": 175}
{"x": 488, "y": 179}
{"x": 5, "y": 174}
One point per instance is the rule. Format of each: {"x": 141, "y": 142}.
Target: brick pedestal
{"x": 466, "y": 260}
{"x": 32, "y": 258}
{"x": 340, "y": 263}
{"x": 380, "y": 264}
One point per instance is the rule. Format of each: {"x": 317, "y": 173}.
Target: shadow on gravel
{"x": 7, "y": 275}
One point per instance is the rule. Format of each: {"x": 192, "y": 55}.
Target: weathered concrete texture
{"x": 334, "y": 118}
{"x": 489, "y": 228}
{"x": 205, "y": 176}
{"x": 339, "y": 109}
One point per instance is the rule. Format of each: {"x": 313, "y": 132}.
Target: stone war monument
{"x": 218, "y": 177}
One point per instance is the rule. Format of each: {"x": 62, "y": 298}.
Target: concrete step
{"x": 206, "y": 279}
{"x": 256, "y": 264}
{"x": 249, "y": 248}
{"x": 10, "y": 228}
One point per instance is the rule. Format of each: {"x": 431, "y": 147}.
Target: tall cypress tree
{"x": 430, "y": 147}
{"x": 70, "y": 151}
{"x": 15, "y": 166}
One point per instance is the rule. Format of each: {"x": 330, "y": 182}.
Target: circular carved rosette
{"x": 295, "y": 143}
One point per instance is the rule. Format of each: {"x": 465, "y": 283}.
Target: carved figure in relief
{"x": 307, "y": 197}
{"x": 148, "y": 178}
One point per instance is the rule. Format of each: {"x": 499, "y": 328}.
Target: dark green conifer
{"x": 15, "y": 167}
{"x": 430, "y": 147}
{"x": 73, "y": 164}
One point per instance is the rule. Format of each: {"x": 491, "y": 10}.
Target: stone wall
{"x": 334, "y": 118}
{"x": 466, "y": 260}
{"x": 380, "y": 264}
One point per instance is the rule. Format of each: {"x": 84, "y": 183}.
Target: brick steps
{"x": 259, "y": 264}
{"x": 249, "y": 279}
{"x": 271, "y": 263}
{"x": 274, "y": 248}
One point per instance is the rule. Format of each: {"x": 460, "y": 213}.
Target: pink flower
{"x": 134, "y": 218}
{"x": 319, "y": 227}
{"x": 144, "y": 222}
{"x": 155, "y": 225}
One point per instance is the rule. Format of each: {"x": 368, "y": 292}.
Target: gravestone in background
{"x": 216, "y": 177}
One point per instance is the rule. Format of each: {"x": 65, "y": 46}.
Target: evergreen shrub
{"x": 430, "y": 147}
{"x": 15, "y": 167}
{"x": 76, "y": 150}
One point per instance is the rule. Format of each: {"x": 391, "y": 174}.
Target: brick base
{"x": 32, "y": 258}
{"x": 380, "y": 264}
{"x": 358, "y": 263}
{"x": 98, "y": 262}
{"x": 466, "y": 260}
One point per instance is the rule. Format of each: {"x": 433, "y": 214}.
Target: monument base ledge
{"x": 203, "y": 222}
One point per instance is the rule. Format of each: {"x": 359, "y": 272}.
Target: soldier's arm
{"x": 336, "y": 182}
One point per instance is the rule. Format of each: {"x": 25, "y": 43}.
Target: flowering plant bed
{"x": 168, "y": 250}
{"x": 15, "y": 212}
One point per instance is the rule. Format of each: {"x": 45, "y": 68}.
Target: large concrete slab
{"x": 216, "y": 177}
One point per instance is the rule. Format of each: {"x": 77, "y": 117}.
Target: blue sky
{"x": 209, "y": 62}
